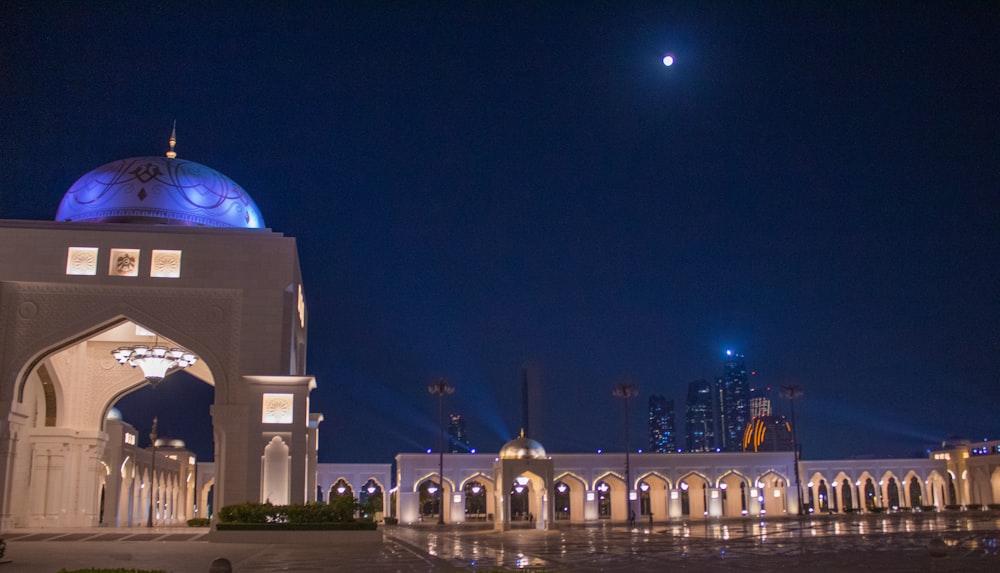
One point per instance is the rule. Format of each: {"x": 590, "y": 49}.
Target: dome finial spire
{"x": 173, "y": 141}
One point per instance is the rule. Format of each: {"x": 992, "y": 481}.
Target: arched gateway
{"x": 148, "y": 250}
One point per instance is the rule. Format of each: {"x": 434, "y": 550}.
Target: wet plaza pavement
{"x": 839, "y": 543}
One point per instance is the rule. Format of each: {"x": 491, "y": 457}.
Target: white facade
{"x": 71, "y": 292}
{"x": 592, "y": 487}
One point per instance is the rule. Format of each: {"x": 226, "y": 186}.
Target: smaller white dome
{"x": 170, "y": 443}
{"x": 522, "y": 448}
{"x": 114, "y": 414}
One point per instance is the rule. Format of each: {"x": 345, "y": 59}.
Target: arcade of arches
{"x": 591, "y": 487}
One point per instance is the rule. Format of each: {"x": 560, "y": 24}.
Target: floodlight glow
{"x": 668, "y": 60}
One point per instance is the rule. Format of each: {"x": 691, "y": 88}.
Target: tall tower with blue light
{"x": 733, "y": 391}
{"x": 662, "y": 436}
{"x": 458, "y": 440}
{"x": 699, "y": 417}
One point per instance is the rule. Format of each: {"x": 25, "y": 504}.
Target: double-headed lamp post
{"x": 625, "y": 391}
{"x": 794, "y": 392}
{"x": 152, "y": 473}
{"x": 440, "y": 389}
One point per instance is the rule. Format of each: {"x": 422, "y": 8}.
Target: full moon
{"x": 668, "y": 60}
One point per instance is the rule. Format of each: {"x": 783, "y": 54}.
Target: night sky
{"x": 475, "y": 186}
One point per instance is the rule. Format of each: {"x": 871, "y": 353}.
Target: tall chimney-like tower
{"x": 525, "y": 418}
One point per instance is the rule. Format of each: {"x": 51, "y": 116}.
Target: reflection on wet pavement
{"x": 888, "y": 543}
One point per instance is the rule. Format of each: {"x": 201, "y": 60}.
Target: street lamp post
{"x": 440, "y": 389}
{"x": 152, "y": 474}
{"x": 793, "y": 392}
{"x": 625, "y": 391}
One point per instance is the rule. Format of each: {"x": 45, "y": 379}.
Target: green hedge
{"x": 348, "y": 526}
{"x": 199, "y": 522}
{"x": 338, "y": 511}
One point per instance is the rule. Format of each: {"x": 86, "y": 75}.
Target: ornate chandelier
{"x": 155, "y": 361}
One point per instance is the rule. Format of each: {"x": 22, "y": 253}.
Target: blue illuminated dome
{"x": 159, "y": 190}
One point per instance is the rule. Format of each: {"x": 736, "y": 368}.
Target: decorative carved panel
{"x": 124, "y": 263}
{"x": 81, "y": 261}
{"x": 165, "y": 264}
{"x": 277, "y": 409}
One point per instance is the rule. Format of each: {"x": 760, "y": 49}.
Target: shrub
{"x": 199, "y": 522}
{"x": 348, "y": 526}
{"x": 953, "y": 507}
{"x": 338, "y": 511}
{"x": 390, "y": 521}
{"x": 247, "y": 513}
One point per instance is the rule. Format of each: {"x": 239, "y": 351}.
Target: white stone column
{"x": 590, "y": 509}
{"x": 675, "y": 505}
{"x": 753, "y": 501}
{"x": 714, "y": 502}
{"x": 409, "y": 506}
{"x": 456, "y": 502}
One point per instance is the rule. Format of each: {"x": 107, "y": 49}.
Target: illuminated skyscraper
{"x": 700, "y": 417}
{"x": 733, "y": 390}
{"x": 458, "y": 440}
{"x": 760, "y": 402}
{"x": 662, "y": 436}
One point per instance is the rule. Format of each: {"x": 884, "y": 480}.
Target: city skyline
{"x": 477, "y": 187}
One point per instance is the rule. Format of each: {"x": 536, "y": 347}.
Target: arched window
{"x": 824, "y": 496}
{"x": 685, "y": 499}
{"x": 475, "y": 501}
{"x": 430, "y": 497}
{"x": 518, "y": 502}
{"x": 916, "y": 494}
{"x": 340, "y": 489}
{"x": 869, "y": 495}
{"x": 846, "y": 495}
{"x": 951, "y": 490}
{"x": 562, "y": 501}
{"x": 644, "y": 505}
{"x": 892, "y": 491}
{"x": 370, "y": 499}
{"x": 603, "y": 500}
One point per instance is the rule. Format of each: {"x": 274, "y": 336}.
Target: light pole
{"x": 625, "y": 391}
{"x": 793, "y": 392}
{"x": 440, "y": 389}
{"x": 152, "y": 474}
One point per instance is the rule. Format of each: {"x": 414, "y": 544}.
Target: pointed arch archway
{"x": 58, "y": 380}
{"x": 569, "y": 492}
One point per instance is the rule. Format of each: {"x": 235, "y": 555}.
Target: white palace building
{"x": 156, "y": 264}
